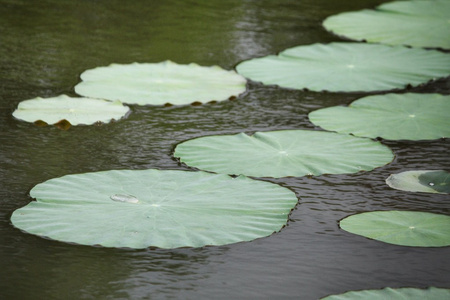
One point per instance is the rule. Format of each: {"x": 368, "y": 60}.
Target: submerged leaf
{"x": 405, "y": 228}
{"x": 428, "y": 181}
{"x": 437, "y": 180}
{"x": 160, "y": 83}
{"x": 390, "y": 116}
{"x": 416, "y": 23}
{"x": 348, "y": 67}
{"x": 144, "y": 208}
{"x": 69, "y": 111}
{"x": 432, "y": 293}
{"x": 283, "y": 153}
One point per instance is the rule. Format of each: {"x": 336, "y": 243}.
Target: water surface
{"x": 44, "y": 47}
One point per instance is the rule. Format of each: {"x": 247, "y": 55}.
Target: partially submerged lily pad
{"x": 428, "y": 181}
{"x": 405, "y": 228}
{"x": 283, "y": 153}
{"x": 416, "y": 23}
{"x": 160, "y": 83}
{"x": 391, "y": 116}
{"x": 166, "y": 209}
{"x": 76, "y": 111}
{"x": 348, "y": 67}
{"x": 431, "y": 293}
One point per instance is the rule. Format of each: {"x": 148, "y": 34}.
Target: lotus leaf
{"x": 283, "y": 153}
{"x": 160, "y": 83}
{"x": 143, "y": 208}
{"x": 428, "y": 181}
{"x": 74, "y": 110}
{"x": 405, "y": 228}
{"x": 431, "y": 293}
{"x": 391, "y": 116}
{"x": 415, "y": 23}
{"x": 348, "y": 67}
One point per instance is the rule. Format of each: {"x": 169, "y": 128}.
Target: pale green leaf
{"x": 283, "y": 153}
{"x": 75, "y": 110}
{"x": 391, "y": 116}
{"x": 160, "y": 83}
{"x": 405, "y": 228}
{"x": 144, "y": 208}
{"x": 431, "y": 293}
{"x": 348, "y": 67}
{"x": 416, "y": 23}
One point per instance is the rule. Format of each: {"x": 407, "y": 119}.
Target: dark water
{"x": 45, "y": 45}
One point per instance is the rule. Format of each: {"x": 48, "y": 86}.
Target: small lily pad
{"x": 405, "y": 228}
{"x": 160, "y": 83}
{"x": 391, "y": 116}
{"x": 415, "y": 23}
{"x": 348, "y": 67}
{"x": 431, "y": 293}
{"x": 428, "y": 181}
{"x": 283, "y": 153}
{"x": 76, "y": 111}
{"x": 144, "y": 208}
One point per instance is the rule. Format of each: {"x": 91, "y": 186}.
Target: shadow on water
{"x": 46, "y": 45}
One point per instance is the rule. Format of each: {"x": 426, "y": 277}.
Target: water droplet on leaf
{"x": 124, "y": 198}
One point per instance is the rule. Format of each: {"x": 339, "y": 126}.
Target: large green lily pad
{"x": 166, "y": 209}
{"x": 348, "y": 67}
{"x": 416, "y": 23}
{"x": 160, "y": 83}
{"x": 75, "y": 110}
{"x": 431, "y": 293}
{"x": 428, "y": 181}
{"x": 405, "y": 228}
{"x": 390, "y": 116}
{"x": 283, "y": 153}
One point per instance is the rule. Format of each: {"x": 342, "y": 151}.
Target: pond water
{"x": 44, "y": 47}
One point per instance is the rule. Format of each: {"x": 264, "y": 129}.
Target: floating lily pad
{"x": 348, "y": 67}
{"x": 431, "y": 293}
{"x": 390, "y": 116}
{"x": 428, "y": 181}
{"x": 74, "y": 110}
{"x": 166, "y": 209}
{"x": 284, "y": 153}
{"x": 405, "y": 228}
{"x": 414, "y": 23}
{"x": 160, "y": 83}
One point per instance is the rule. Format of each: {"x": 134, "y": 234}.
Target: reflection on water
{"x": 45, "y": 45}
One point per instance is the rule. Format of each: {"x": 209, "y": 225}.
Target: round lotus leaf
{"x": 75, "y": 110}
{"x": 390, "y": 116}
{"x": 431, "y": 293}
{"x": 160, "y": 83}
{"x": 283, "y": 153}
{"x": 405, "y": 228}
{"x": 415, "y": 23}
{"x": 348, "y": 67}
{"x": 166, "y": 209}
{"x": 428, "y": 181}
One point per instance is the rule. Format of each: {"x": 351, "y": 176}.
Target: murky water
{"x": 45, "y": 45}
